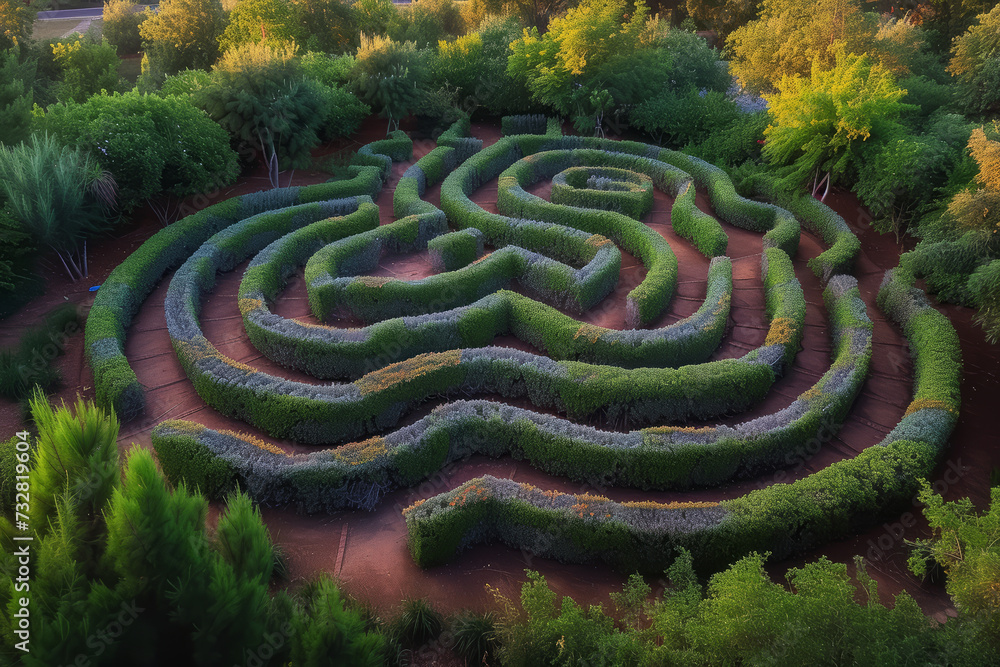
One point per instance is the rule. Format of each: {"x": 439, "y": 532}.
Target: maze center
{"x": 649, "y": 451}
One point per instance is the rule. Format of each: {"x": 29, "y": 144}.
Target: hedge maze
{"x": 433, "y": 339}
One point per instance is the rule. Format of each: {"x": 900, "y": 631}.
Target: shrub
{"x": 16, "y": 96}
{"x": 680, "y": 118}
{"x": 476, "y": 638}
{"x": 426, "y": 22}
{"x": 150, "y": 144}
{"x": 30, "y": 363}
{"x": 374, "y": 16}
{"x": 388, "y": 76}
{"x": 418, "y": 622}
{"x": 259, "y": 96}
{"x": 87, "y": 68}
{"x": 59, "y": 194}
{"x": 261, "y": 21}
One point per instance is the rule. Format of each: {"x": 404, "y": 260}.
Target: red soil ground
{"x": 367, "y": 550}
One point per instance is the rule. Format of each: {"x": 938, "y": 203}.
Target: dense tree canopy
{"x": 260, "y": 21}
{"x": 183, "y": 34}
{"x": 16, "y": 22}
{"x": 975, "y": 60}
{"x": 564, "y": 68}
{"x": 820, "y": 123}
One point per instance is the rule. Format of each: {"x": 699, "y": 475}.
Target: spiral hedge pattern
{"x": 432, "y": 338}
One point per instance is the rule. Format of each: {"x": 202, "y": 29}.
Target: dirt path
{"x": 367, "y": 550}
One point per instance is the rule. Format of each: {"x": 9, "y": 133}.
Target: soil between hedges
{"x": 373, "y": 560}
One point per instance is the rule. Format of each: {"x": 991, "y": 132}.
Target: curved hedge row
{"x": 455, "y": 249}
{"x": 658, "y": 457}
{"x": 781, "y": 227}
{"x": 649, "y": 299}
{"x": 506, "y": 159}
{"x": 693, "y": 224}
{"x": 130, "y": 283}
{"x": 124, "y": 290}
{"x": 823, "y": 221}
{"x": 397, "y": 148}
{"x": 332, "y": 296}
{"x": 329, "y": 413}
{"x": 607, "y": 188}
{"x": 781, "y": 519}
{"x": 329, "y": 352}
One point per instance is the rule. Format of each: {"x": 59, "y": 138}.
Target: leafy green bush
{"x": 150, "y": 144}
{"x": 328, "y": 69}
{"x": 677, "y": 119}
{"x": 87, "y": 68}
{"x": 964, "y": 544}
{"x": 259, "y": 96}
{"x": 389, "y": 75}
{"x": 426, "y": 23}
{"x": 268, "y": 22}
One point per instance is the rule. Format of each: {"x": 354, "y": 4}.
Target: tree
{"x": 259, "y": 95}
{"x": 16, "y": 22}
{"x": 16, "y": 96}
{"x": 374, "y": 16}
{"x": 476, "y": 64}
{"x": 150, "y": 144}
{"x": 975, "y": 61}
{"x": 269, "y": 22}
{"x": 60, "y": 195}
{"x": 426, "y": 22}
{"x": 952, "y": 17}
{"x": 790, "y": 36}
{"x": 534, "y": 13}
{"x": 87, "y": 68}
{"x": 182, "y": 34}
{"x": 564, "y": 68}
{"x": 967, "y": 546}
{"x": 327, "y": 25}
{"x": 126, "y": 572}
{"x": 821, "y": 123}
{"x": 389, "y": 76}
{"x": 120, "y": 25}
{"x": 900, "y": 180}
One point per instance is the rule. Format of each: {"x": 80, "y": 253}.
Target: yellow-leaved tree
{"x": 564, "y": 68}
{"x": 822, "y": 123}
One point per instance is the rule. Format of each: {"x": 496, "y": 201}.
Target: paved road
{"x": 96, "y": 12}
{"x": 85, "y": 13}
